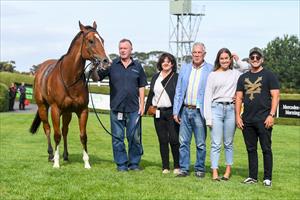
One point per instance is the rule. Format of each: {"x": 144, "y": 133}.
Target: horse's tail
{"x": 35, "y": 124}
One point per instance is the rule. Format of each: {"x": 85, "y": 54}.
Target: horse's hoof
{"x": 66, "y": 159}
{"x": 87, "y": 166}
{"x": 56, "y": 166}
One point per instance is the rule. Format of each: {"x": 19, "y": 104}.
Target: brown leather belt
{"x": 190, "y": 106}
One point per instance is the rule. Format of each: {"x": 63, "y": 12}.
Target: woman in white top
{"x": 219, "y": 110}
{"x": 161, "y": 95}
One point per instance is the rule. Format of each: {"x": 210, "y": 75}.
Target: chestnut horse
{"x": 61, "y": 85}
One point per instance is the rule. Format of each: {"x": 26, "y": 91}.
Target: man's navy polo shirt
{"x": 124, "y": 85}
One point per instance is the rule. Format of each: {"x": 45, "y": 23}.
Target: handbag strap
{"x": 164, "y": 88}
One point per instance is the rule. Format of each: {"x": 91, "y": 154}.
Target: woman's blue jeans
{"x": 223, "y": 126}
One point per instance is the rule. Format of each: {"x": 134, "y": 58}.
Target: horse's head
{"x": 93, "y": 46}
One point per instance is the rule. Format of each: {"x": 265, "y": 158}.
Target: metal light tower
{"x": 183, "y": 29}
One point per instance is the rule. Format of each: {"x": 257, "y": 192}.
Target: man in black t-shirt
{"x": 258, "y": 89}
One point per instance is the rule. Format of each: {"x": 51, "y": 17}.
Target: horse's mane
{"x": 75, "y": 38}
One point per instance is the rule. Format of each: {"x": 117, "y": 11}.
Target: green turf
{"x": 25, "y": 172}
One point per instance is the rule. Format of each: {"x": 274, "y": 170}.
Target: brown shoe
{"x": 216, "y": 179}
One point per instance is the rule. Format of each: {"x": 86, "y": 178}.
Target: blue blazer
{"x": 182, "y": 86}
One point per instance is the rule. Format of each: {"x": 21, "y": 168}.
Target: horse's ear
{"x": 82, "y": 28}
{"x": 94, "y": 25}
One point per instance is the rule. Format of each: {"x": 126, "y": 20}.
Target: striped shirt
{"x": 192, "y": 91}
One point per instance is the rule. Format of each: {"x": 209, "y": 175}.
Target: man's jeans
{"x": 192, "y": 121}
{"x": 223, "y": 126}
{"x": 133, "y": 134}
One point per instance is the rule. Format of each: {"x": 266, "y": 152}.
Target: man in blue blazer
{"x": 188, "y": 110}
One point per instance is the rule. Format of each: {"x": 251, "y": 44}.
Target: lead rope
{"x": 95, "y": 111}
{"x": 137, "y": 122}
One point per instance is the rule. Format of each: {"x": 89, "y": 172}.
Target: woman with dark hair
{"x": 161, "y": 96}
{"x": 219, "y": 110}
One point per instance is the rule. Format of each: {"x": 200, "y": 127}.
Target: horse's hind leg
{"x": 43, "y": 113}
{"x": 83, "y": 116}
{"x": 66, "y": 118}
{"x": 47, "y": 132}
{"x": 55, "y": 114}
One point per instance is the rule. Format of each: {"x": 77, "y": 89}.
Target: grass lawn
{"x": 25, "y": 172}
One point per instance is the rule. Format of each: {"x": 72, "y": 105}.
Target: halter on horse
{"x": 61, "y": 85}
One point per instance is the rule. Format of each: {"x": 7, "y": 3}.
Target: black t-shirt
{"x": 256, "y": 91}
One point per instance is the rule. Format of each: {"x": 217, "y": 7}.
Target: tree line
{"x": 282, "y": 56}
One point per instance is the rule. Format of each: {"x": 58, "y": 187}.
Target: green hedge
{"x": 287, "y": 121}
{"x": 284, "y": 96}
{"x": 99, "y": 90}
{"x": 7, "y": 78}
{"x": 4, "y": 98}
{"x": 105, "y": 90}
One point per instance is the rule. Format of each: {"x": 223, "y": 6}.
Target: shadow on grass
{"x": 239, "y": 172}
{"x": 97, "y": 160}
{"x": 77, "y": 158}
{"x": 235, "y": 171}
{"x": 147, "y": 163}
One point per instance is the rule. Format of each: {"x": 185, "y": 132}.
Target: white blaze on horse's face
{"x": 98, "y": 37}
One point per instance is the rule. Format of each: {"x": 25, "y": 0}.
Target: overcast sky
{"x": 33, "y": 31}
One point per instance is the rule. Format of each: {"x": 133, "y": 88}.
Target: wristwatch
{"x": 272, "y": 115}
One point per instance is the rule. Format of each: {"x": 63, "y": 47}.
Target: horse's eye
{"x": 91, "y": 41}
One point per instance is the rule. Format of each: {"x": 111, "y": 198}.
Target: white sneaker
{"x": 176, "y": 171}
{"x": 267, "y": 183}
{"x": 166, "y": 171}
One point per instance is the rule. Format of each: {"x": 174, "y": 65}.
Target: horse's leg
{"x": 82, "y": 117}
{"x": 55, "y": 114}
{"x": 66, "y": 118}
{"x": 43, "y": 113}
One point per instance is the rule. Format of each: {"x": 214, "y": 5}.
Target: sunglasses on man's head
{"x": 255, "y": 57}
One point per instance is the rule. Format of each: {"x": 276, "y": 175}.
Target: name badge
{"x": 120, "y": 116}
{"x": 157, "y": 113}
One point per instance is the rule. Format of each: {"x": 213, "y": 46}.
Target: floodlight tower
{"x": 183, "y": 29}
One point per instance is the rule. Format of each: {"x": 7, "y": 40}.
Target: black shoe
{"x": 224, "y": 178}
{"x": 183, "y": 174}
{"x": 200, "y": 174}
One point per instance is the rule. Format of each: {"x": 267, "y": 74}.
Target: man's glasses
{"x": 255, "y": 57}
